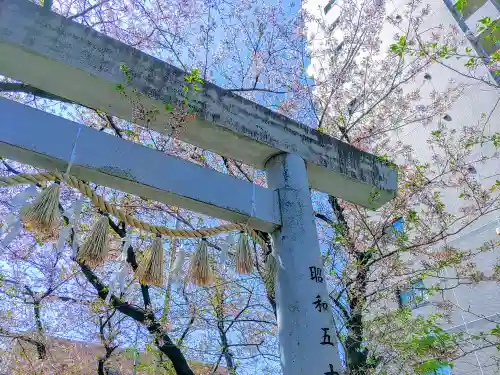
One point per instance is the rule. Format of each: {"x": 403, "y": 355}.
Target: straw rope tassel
{"x": 199, "y": 268}
{"x": 150, "y": 270}
{"x": 42, "y": 216}
{"x": 94, "y": 250}
{"x": 270, "y": 270}
{"x": 243, "y": 257}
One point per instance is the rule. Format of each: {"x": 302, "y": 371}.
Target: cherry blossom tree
{"x": 363, "y": 93}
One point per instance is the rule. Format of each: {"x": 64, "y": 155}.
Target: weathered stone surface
{"x": 46, "y": 141}
{"x": 68, "y": 59}
{"x": 306, "y": 331}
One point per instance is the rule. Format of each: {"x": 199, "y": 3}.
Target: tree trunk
{"x": 357, "y": 358}
{"x": 40, "y": 346}
{"x": 228, "y": 356}
{"x": 147, "y": 318}
{"x": 100, "y": 367}
{"x": 172, "y": 351}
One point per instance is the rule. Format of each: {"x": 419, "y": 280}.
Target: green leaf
{"x": 412, "y": 216}
{"x": 470, "y": 62}
{"x": 126, "y": 72}
{"x": 486, "y": 21}
{"x": 400, "y": 47}
{"x": 495, "y": 138}
{"x": 496, "y": 331}
{"x": 460, "y": 5}
{"x": 436, "y": 133}
{"x": 168, "y": 107}
{"x": 385, "y": 159}
{"x": 373, "y": 196}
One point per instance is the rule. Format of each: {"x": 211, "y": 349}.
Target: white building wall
{"x": 481, "y": 300}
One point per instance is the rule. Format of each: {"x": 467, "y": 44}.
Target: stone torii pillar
{"x": 75, "y": 62}
{"x": 307, "y": 333}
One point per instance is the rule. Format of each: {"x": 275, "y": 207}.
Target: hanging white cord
{"x": 12, "y": 226}
{"x": 229, "y": 241}
{"x": 14, "y": 231}
{"x": 117, "y": 282}
{"x": 253, "y": 203}
{"x": 252, "y": 213}
{"x": 226, "y": 245}
{"x": 252, "y": 199}
{"x": 21, "y": 198}
{"x": 177, "y": 240}
{"x": 175, "y": 272}
{"x": 73, "y": 211}
{"x": 73, "y": 153}
{"x": 10, "y": 220}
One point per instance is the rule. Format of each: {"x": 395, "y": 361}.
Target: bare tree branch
{"x": 28, "y": 89}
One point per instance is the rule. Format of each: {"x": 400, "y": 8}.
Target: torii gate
{"x": 75, "y": 62}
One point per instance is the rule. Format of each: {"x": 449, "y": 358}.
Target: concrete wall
{"x": 475, "y": 307}
{"x": 482, "y": 299}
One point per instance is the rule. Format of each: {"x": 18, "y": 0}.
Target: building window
{"x": 329, "y": 6}
{"x": 339, "y": 48}
{"x": 413, "y": 297}
{"x": 334, "y": 24}
{"x": 441, "y": 370}
{"x": 396, "y": 227}
{"x": 352, "y": 106}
